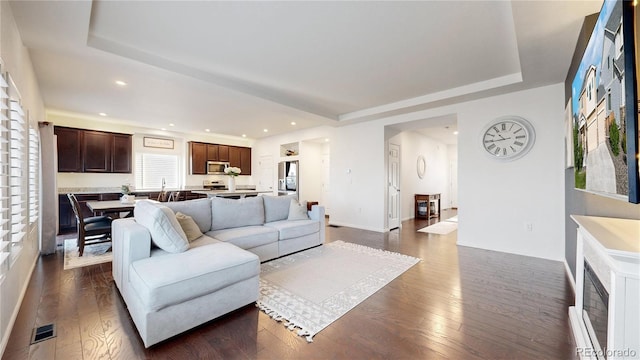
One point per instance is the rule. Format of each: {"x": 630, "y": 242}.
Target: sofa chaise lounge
{"x": 171, "y": 284}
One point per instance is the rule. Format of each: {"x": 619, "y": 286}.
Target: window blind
{"x": 152, "y": 168}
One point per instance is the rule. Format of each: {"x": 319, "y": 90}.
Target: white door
{"x": 325, "y": 183}
{"x": 394, "y": 186}
{"x": 265, "y": 179}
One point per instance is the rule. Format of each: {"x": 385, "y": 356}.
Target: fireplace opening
{"x": 595, "y": 310}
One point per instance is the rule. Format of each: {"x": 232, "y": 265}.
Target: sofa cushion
{"x": 298, "y": 211}
{"x": 202, "y": 271}
{"x": 198, "y": 209}
{"x": 161, "y": 222}
{"x": 288, "y": 229}
{"x": 246, "y": 237}
{"x": 276, "y": 208}
{"x": 189, "y": 226}
{"x": 231, "y": 213}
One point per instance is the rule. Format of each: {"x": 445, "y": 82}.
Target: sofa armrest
{"x": 317, "y": 213}
{"x": 130, "y": 242}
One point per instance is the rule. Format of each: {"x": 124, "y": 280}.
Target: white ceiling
{"x": 241, "y": 67}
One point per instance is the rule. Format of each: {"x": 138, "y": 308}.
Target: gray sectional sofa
{"x": 171, "y": 283}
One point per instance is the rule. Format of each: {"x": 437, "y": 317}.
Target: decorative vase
{"x": 232, "y": 183}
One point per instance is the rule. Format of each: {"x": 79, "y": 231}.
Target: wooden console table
{"x": 427, "y": 206}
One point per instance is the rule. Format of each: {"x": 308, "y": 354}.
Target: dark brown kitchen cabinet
{"x": 82, "y": 150}
{"x": 234, "y": 156}
{"x": 69, "y": 149}
{"x": 212, "y": 152}
{"x": 96, "y": 148}
{"x": 223, "y": 153}
{"x": 240, "y": 157}
{"x": 198, "y": 158}
{"x": 121, "y": 160}
{"x": 245, "y": 160}
{"x": 200, "y": 153}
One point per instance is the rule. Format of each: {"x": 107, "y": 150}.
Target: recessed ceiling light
{"x": 102, "y": 114}
{"x": 121, "y": 83}
{"x": 266, "y": 130}
{"x": 244, "y": 135}
{"x": 455, "y": 132}
{"x": 207, "y": 130}
{"x": 163, "y": 129}
{"x": 326, "y": 139}
{"x": 293, "y": 123}
{"x": 172, "y": 124}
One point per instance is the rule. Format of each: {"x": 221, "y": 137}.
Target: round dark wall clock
{"x": 508, "y": 138}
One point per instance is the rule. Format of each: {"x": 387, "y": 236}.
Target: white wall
{"x": 496, "y": 199}
{"x": 358, "y": 174}
{"x": 436, "y": 177}
{"x": 452, "y": 153}
{"x": 18, "y": 64}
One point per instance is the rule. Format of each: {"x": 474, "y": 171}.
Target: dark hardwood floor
{"x": 458, "y": 303}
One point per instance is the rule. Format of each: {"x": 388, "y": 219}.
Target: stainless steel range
{"x": 214, "y": 185}
{"x": 221, "y": 185}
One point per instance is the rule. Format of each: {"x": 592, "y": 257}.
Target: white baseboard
{"x": 572, "y": 279}
{"x": 14, "y": 315}
{"x": 333, "y": 223}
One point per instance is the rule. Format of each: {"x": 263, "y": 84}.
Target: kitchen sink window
{"x": 151, "y": 169}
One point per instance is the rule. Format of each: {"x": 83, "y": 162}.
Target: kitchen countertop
{"x": 227, "y": 193}
{"x": 117, "y": 190}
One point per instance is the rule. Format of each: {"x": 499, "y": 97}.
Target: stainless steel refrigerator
{"x": 288, "y": 178}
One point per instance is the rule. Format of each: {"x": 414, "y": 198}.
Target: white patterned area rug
{"x": 93, "y": 254}
{"x": 309, "y": 290}
{"x": 452, "y": 219}
{"x": 441, "y": 228}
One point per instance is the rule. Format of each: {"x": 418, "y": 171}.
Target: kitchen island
{"x": 230, "y": 194}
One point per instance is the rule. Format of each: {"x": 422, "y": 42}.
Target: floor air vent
{"x": 43, "y": 333}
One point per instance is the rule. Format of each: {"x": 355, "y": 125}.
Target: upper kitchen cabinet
{"x": 212, "y": 152}
{"x": 198, "y": 158}
{"x": 69, "y": 149}
{"x": 93, "y": 151}
{"x": 223, "y": 153}
{"x": 245, "y": 160}
{"x": 236, "y": 156}
{"x": 122, "y": 154}
{"x": 97, "y": 150}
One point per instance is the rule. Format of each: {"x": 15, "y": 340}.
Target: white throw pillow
{"x": 163, "y": 226}
{"x": 298, "y": 211}
{"x": 189, "y": 226}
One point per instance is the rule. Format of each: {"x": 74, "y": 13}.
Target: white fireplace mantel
{"x": 612, "y": 248}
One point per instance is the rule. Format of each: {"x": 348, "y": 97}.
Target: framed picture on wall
{"x": 604, "y": 107}
{"x": 158, "y": 143}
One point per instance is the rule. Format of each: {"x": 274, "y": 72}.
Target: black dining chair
{"x": 92, "y": 229}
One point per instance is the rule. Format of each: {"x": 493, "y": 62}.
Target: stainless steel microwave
{"x": 216, "y": 167}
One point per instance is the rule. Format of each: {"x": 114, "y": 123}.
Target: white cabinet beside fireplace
{"x": 612, "y": 247}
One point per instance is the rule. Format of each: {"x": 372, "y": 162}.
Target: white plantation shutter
{"x": 34, "y": 175}
{"x": 4, "y": 179}
{"x": 152, "y": 168}
{"x": 17, "y": 178}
